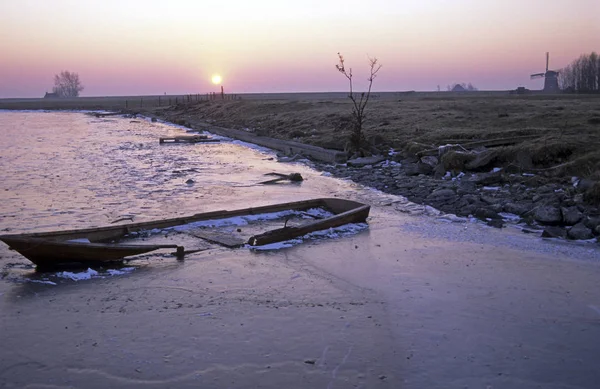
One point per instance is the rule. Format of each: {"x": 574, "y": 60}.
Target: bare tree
{"x": 582, "y": 75}
{"x": 472, "y": 88}
{"x": 357, "y": 137}
{"x": 67, "y": 84}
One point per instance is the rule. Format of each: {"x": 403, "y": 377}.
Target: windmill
{"x": 550, "y": 77}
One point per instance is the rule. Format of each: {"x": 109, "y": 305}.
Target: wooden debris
{"x": 105, "y": 114}
{"x": 130, "y": 218}
{"x": 187, "y": 139}
{"x": 219, "y": 237}
{"x": 481, "y": 143}
{"x": 292, "y": 177}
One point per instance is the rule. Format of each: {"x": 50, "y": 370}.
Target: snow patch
{"x": 119, "y": 272}
{"x": 511, "y": 217}
{"x": 86, "y": 275}
{"x": 91, "y": 273}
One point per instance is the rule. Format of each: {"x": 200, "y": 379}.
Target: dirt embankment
{"x": 544, "y": 150}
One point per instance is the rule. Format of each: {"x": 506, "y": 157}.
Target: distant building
{"x": 458, "y": 88}
{"x": 520, "y": 91}
{"x": 51, "y": 95}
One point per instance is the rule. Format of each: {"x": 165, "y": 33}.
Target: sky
{"x": 131, "y": 47}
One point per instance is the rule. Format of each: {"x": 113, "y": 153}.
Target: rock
{"x": 571, "y": 215}
{"x": 496, "y": 207}
{"x": 486, "y": 213}
{"x": 440, "y": 171}
{"x": 488, "y": 178}
{"x": 471, "y": 198}
{"x": 482, "y": 160}
{"x": 466, "y": 210}
{"x": 424, "y": 168}
{"x": 548, "y": 215}
{"x": 442, "y": 196}
{"x": 496, "y": 223}
{"x": 491, "y": 200}
{"x": 466, "y": 187}
{"x": 360, "y": 162}
{"x": 398, "y": 158}
{"x": 415, "y": 169}
{"x": 517, "y": 208}
{"x": 580, "y": 232}
{"x": 190, "y": 181}
{"x": 455, "y": 160}
{"x": 554, "y": 232}
{"x": 430, "y": 160}
{"x": 153, "y": 120}
{"x": 584, "y": 184}
{"x": 591, "y": 222}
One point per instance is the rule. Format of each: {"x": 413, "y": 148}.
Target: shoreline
{"x": 491, "y": 190}
{"x": 554, "y": 207}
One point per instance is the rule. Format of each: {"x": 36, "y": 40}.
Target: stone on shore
{"x": 489, "y": 178}
{"x": 554, "y": 232}
{"x": 571, "y": 215}
{"x": 442, "y": 196}
{"x": 580, "y": 232}
{"x": 548, "y": 215}
{"x": 414, "y": 169}
{"x": 517, "y": 208}
{"x": 592, "y": 222}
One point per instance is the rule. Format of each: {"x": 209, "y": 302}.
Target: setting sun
{"x": 216, "y": 79}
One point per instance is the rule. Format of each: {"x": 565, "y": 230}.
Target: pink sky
{"x": 131, "y": 47}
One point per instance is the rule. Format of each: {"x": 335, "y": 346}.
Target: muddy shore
{"x": 531, "y": 159}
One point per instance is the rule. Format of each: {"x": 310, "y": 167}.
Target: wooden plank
{"x": 219, "y": 237}
{"x": 198, "y": 138}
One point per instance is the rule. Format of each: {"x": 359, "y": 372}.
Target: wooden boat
{"x": 49, "y": 249}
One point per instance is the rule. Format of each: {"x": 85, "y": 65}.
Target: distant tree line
{"x": 582, "y": 75}
{"x": 467, "y": 87}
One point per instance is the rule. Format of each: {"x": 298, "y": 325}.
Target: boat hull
{"x": 47, "y": 249}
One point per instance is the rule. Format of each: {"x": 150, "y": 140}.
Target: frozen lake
{"x": 415, "y": 300}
